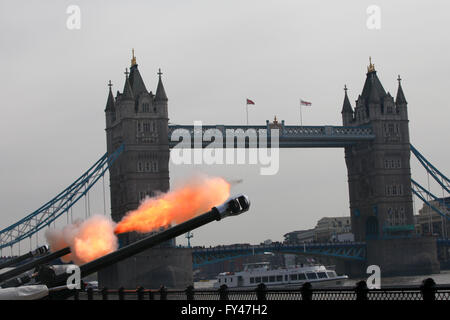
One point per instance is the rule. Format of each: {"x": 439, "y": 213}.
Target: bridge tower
{"x": 379, "y": 175}
{"x": 139, "y": 119}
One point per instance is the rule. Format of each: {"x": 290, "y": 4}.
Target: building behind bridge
{"x": 328, "y": 229}
{"x": 299, "y": 236}
{"x": 332, "y": 229}
{"x": 429, "y": 222}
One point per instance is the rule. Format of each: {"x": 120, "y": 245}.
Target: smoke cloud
{"x": 88, "y": 240}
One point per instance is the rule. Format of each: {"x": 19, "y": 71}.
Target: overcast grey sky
{"x": 214, "y": 54}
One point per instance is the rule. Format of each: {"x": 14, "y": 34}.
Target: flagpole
{"x": 301, "y": 119}
{"x": 247, "y": 111}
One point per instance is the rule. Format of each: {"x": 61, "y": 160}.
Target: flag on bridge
{"x": 246, "y": 106}
{"x": 305, "y": 103}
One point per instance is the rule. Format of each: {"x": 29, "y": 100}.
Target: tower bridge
{"x": 374, "y": 136}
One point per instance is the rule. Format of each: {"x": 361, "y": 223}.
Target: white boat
{"x": 256, "y": 273}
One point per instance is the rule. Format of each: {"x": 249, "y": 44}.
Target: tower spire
{"x": 371, "y": 67}
{"x": 133, "y": 58}
{"x": 110, "y": 101}
{"x": 160, "y": 92}
{"x": 374, "y": 96}
{"x": 127, "y": 91}
{"x": 136, "y": 82}
{"x": 346, "y": 106}
{"x": 400, "y": 99}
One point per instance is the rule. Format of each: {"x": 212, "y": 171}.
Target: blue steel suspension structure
{"x": 59, "y": 205}
{"x": 422, "y": 192}
{"x": 348, "y": 251}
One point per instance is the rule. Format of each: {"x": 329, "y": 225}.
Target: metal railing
{"x": 428, "y": 291}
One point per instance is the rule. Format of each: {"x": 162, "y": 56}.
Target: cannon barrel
{"x": 34, "y": 263}
{"x": 232, "y": 207}
{"x": 37, "y": 252}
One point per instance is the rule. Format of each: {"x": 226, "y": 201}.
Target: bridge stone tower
{"x": 379, "y": 175}
{"x": 379, "y": 180}
{"x": 139, "y": 120}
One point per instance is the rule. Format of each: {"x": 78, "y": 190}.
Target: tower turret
{"x": 161, "y": 97}
{"x": 127, "y": 91}
{"x": 400, "y": 101}
{"x": 110, "y": 109}
{"x": 110, "y": 101}
{"x": 160, "y": 92}
{"x": 347, "y": 110}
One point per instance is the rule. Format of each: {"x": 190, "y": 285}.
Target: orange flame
{"x": 96, "y": 236}
{"x": 88, "y": 240}
{"x": 176, "y": 206}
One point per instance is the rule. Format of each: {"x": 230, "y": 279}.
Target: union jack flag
{"x": 305, "y": 103}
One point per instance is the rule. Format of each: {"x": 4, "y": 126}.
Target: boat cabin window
{"x": 293, "y": 277}
{"x": 311, "y": 275}
{"x": 285, "y": 277}
{"x": 231, "y": 279}
{"x": 322, "y": 275}
{"x": 258, "y": 279}
{"x": 279, "y": 278}
{"x": 225, "y": 280}
{"x": 252, "y": 280}
{"x": 331, "y": 274}
{"x": 301, "y": 276}
{"x": 272, "y": 279}
{"x": 265, "y": 279}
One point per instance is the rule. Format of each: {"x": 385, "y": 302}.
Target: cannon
{"x": 32, "y": 264}
{"x": 32, "y": 254}
{"x": 232, "y": 207}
